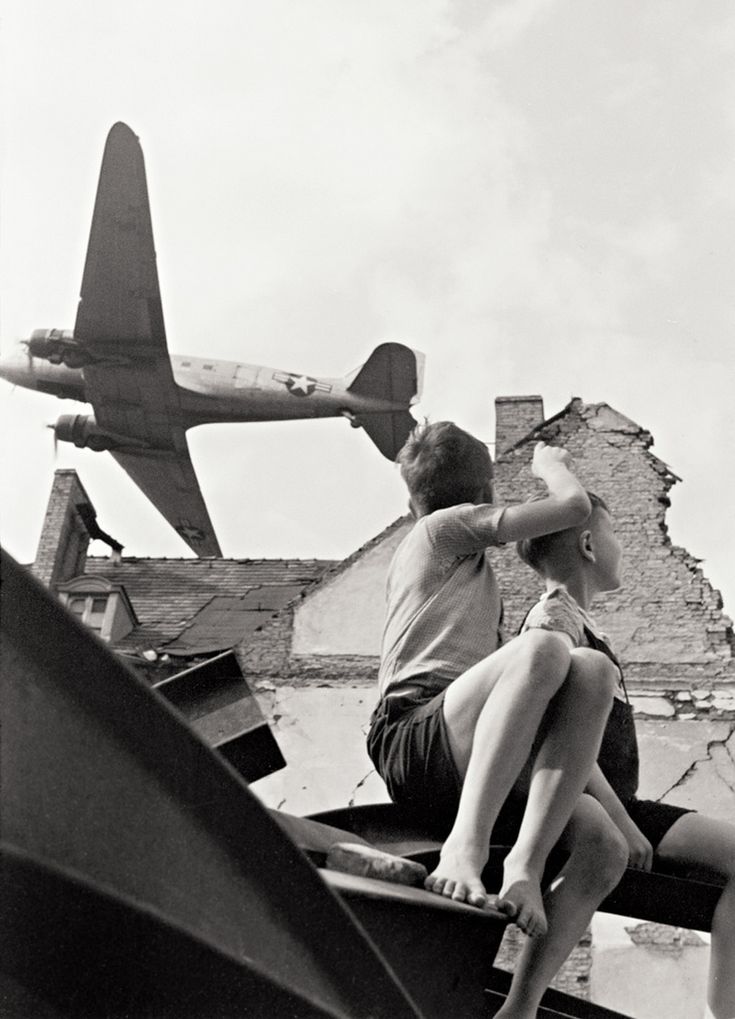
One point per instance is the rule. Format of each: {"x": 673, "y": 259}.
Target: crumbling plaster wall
{"x": 344, "y": 614}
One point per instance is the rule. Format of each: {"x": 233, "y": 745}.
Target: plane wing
{"x": 169, "y": 482}
{"x": 128, "y": 378}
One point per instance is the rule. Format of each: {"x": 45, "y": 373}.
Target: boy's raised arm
{"x": 566, "y": 504}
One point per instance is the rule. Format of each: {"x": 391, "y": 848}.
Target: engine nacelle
{"x": 58, "y": 346}
{"x": 85, "y": 433}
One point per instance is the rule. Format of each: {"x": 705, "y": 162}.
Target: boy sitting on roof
{"x": 577, "y": 564}
{"x": 459, "y": 714}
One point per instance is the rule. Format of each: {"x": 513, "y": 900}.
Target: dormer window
{"x": 102, "y": 606}
{"x": 89, "y": 609}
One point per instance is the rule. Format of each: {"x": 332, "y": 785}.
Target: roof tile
{"x": 167, "y": 593}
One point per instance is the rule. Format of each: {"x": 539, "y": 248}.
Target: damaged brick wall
{"x": 666, "y": 622}
{"x": 268, "y": 655}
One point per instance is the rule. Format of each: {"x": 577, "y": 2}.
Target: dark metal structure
{"x": 141, "y": 878}
{"x": 140, "y": 875}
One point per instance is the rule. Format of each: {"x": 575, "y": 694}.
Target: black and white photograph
{"x": 368, "y": 569}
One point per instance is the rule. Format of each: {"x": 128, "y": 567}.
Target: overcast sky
{"x": 538, "y": 194}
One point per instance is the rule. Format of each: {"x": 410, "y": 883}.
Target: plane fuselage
{"x": 212, "y": 390}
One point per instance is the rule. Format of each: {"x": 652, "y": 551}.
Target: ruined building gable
{"x": 666, "y": 622}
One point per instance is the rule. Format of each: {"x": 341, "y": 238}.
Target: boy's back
{"x": 443, "y": 604}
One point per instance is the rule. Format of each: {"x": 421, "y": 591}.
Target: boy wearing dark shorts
{"x": 466, "y": 722}
{"x": 576, "y": 565}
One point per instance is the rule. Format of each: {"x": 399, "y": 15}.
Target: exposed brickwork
{"x": 574, "y": 975}
{"x": 666, "y": 623}
{"x": 515, "y": 417}
{"x": 267, "y": 653}
{"x": 62, "y": 547}
{"x": 663, "y": 939}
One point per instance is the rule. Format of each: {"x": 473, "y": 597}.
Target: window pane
{"x": 99, "y": 604}
{"x": 76, "y": 605}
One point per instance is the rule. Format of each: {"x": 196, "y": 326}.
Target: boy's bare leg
{"x": 493, "y": 714}
{"x": 573, "y": 730}
{"x": 697, "y": 839}
{"x": 597, "y": 862}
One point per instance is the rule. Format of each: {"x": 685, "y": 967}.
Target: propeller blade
{"x": 56, "y": 441}
{"x": 29, "y": 355}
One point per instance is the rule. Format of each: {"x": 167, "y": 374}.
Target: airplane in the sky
{"x": 144, "y": 400}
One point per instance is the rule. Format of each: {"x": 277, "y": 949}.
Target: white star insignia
{"x": 302, "y": 384}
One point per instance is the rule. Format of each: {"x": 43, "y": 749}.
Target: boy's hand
{"x": 639, "y": 848}
{"x": 549, "y": 458}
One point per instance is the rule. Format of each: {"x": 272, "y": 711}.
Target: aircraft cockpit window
{"x": 208, "y": 367}
{"x": 186, "y": 364}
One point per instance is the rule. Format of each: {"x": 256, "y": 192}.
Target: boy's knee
{"x": 595, "y": 673}
{"x": 603, "y": 854}
{"x": 613, "y": 858}
{"x": 545, "y": 656}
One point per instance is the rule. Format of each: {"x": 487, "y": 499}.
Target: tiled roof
{"x": 225, "y": 620}
{"x": 167, "y": 593}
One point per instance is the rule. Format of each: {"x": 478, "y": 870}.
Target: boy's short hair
{"x": 443, "y": 465}
{"x": 536, "y": 551}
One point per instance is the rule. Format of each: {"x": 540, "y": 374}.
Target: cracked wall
{"x": 321, "y": 731}
{"x": 689, "y": 763}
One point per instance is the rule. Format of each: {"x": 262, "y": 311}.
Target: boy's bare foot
{"x": 458, "y": 877}
{"x": 522, "y": 889}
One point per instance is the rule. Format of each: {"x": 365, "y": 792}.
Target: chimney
{"x": 62, "y": 547}
{"x": 515, "y": 417}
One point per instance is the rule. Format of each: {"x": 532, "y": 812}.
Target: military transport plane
{"x": 144, "y": 400}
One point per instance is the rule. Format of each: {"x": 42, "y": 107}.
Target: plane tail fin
{"x": 388, "y": 430}
{"x": 394, "y": 374}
